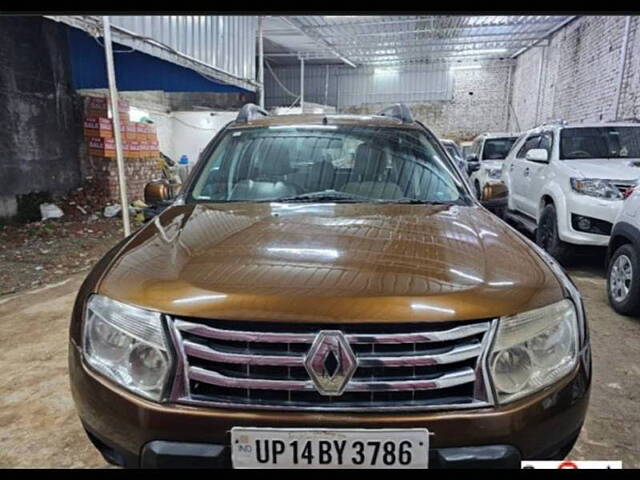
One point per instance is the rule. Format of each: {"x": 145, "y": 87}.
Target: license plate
{"x": 329, "y": 448}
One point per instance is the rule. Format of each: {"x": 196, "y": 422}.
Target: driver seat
{"x": 267, "y": 179}
{"x": 369, "y": 168}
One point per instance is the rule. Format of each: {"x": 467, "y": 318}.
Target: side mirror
{"x": 495, "y": 196}
{"x": 473, "y": 164}
{"x": 538, "y": 155}
{"x": 158, "y": 192}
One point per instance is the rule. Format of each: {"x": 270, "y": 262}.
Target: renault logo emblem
{"x": 330, "y": 362}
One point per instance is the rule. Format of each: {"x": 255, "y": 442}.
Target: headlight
{"x": 533, "y": 350}
{"x": 127, "y": 345}
{"x": 494, "y": 172}
{"x": 595, "y": 187}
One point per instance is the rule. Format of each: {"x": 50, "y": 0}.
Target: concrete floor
{"x": 39, "y": 426}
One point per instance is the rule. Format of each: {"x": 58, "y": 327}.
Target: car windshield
{"x": 497, "y": 148}
{"x": 452, "y": 150}
{"x": 599, "y": 142}
{"x": 327, "y": 163}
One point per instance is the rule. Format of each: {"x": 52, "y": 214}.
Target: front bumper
{"x": 126, "y": 428}
{"x": 166, "y": 454}
{"x": 584, "y": 205}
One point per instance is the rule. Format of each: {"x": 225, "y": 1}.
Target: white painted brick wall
{"x": 580, "y": 75}
{"x": 479, "y": 105}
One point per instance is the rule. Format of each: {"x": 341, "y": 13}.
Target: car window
{"x": 531, "y": 143}
{"x": 475, "y": 147}
{"x": 518, "y": 143}
{"x": 363, "y": 163}
{"x": 451, "y": 150}
{"x": 600, "y": 142}
{"x": 546, "y": 142}
{"x": 497, "y": 148}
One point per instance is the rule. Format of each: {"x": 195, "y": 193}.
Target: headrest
{"x": 369, "y": 162}
{"x": 276, "y": 162}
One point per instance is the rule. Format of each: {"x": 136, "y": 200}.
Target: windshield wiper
{"x": 325, "y": 195}
{"x": 416, "y": 201}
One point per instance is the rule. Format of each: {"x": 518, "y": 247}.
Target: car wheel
{"x": 478, "y": 191}
{"x": 547, "y": 235}
{"x": 501, "y": 212}
{"x": 623, "y": 281}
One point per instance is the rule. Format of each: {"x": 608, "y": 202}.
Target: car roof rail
{"x": 557, "y": 121}
{"x": 250, "y": 112}
{"x": 399, "y": 111}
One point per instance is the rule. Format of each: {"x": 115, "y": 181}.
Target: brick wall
{"x": 580, "y": 72}
{"x": 103, "y": 172}
{"x": 479, "y": 105}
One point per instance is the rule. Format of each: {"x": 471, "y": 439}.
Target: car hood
{"x": 605, "y": 168}
{"x": 330, "y": 263}
{"x": 491, "y": 164}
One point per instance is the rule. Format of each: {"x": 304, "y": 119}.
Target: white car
{"x": 568, "y": 182}
{"x": 486, "y": 157}
{"x": 454, "y": 152}
{"x": 623, "y": 273}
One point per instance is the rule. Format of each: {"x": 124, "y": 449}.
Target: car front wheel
{"x": 547, "y": 235}
{"x": 623, "y": 281}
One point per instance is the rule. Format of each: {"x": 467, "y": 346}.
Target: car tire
{"x": 547, "y": 235}
{"x": 623, "y": 280}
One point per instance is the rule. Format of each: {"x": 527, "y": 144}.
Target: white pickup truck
{"x": 567, "y": 182}
{"x": 484, "y": 162}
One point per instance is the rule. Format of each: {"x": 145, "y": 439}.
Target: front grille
{"x": 261, "y": 365}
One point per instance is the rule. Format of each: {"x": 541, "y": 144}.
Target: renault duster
{"x": 325, "y": 292}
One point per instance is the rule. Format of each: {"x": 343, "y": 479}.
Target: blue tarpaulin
{"x": 134, "y": 70}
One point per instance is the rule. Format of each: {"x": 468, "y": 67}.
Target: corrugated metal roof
{"x": 221, "y": 47}
{"x": 371, "y": 40}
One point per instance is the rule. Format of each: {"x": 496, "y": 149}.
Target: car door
{"x": 476, "y": 150}
{"x": 519, "y": 173}
{"x": 535, "y": 175}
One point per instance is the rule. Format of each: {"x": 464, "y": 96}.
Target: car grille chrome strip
{"x": 207, "y": 353}
{"x": 241, "y": 335}
{"x": 406, "y": 360}
{"x": 448, "y": 380}
{"x": 271, "y": 337}
{"x": 264, "y": 365}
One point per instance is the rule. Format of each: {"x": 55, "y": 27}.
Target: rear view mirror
{"x": 158, "y": 192}
{"x": 494, "y": 197}
{"x": 538, "y": 155}
{"x": 473, "y": 164}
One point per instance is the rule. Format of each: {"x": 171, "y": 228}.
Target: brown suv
{"x": 326, "y": 291}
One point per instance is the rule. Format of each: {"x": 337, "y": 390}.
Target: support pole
{"x": 261, "y": 61}
{"x": 623, "y": 61}
{"x": 326, "y": 87}
{"x": 301, "y": 84}
{"x": 541, "y": 73}
{"x": 113, "y": 94}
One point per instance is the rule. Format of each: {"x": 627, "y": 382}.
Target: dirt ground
{"x": 38, "y": 423}
{"x": 42, "y": 253}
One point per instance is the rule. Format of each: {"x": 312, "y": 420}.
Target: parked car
{"x": 486, "y": 158}
{"x": 567, "y": 182}
{"x": 623, "y": 273}
{"x": 466, "y": 148}
{"x": 454, "y": 152}
{"x": 284, "y": 312}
